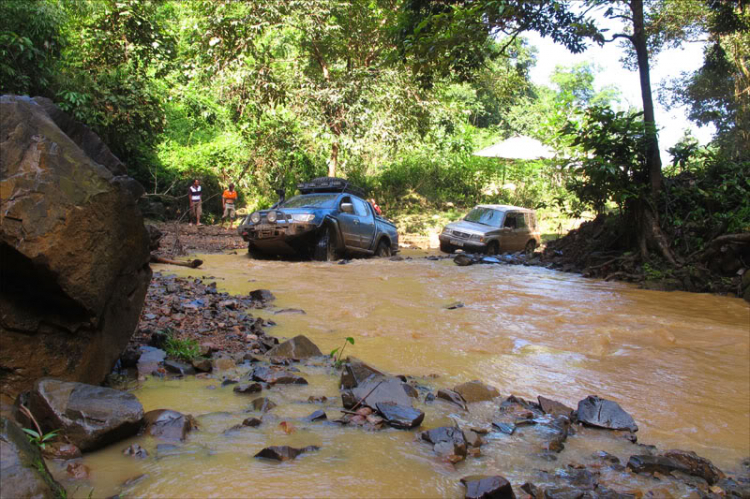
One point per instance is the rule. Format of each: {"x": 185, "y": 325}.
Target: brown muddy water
{"x": 679, "y": 363}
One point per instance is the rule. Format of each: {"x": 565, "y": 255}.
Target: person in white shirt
{"x": 195, "y": 202}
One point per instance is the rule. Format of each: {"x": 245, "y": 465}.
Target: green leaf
{"x": 333, "y": 352}
{"x": 31, "y": 432}
{"x": 350, "y": 339}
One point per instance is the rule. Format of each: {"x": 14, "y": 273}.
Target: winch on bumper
{"x": 282, "y": 237}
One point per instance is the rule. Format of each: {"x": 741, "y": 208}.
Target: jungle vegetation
{"x": 396, "y": 95}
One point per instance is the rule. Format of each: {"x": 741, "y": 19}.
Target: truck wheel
{"x": 325, "y": 250}
{"x": 384, "y": 249}
{"x": 493, "y": 248}
{"x": 445, "y": 247}
{"x": 530, "y": 247}
{"x": 255, "y": 254}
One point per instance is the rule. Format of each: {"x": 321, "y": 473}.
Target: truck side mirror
{"x": 347, "y": 208}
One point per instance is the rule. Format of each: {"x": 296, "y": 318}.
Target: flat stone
{"x": 149, "y": 360}
{"x": 284, "y": 453}
{"x": 88, "y": 416}
{"x": 61, "y": 450}
{"x": 78, "y": 470}
{"x": 202, "y": 365}
{"x": 262, "y": 296}
{"x": 507, "y": 428}
{"x": 24, "y": 472}
{"x": 223, "y": 363}
{"x": 248, "y": 388}
{"x": 299, "y": 347}
{"x": 178, "y": 367}
{"x": 550, "y": 406}
{"x": 399, "y": 416}
{"x": 697, "y": 465}
{"x": 476, "y": 391}
{"x": 263, "y": 404}
{"x": 276, "y": 376}
{"x": 443, "y": 435}
{"x": 602, "y": 413}
{"x": 252, "y": 422}
{"x": 390, "y": 390}
{"x": 355, "y": 372}
{"x": 169, "y": 425}
{"x": 452, "y": 397}
{"x": 652, "y": 464}
{"x": 487, "y": 487}
{"x": 317, "y": 416}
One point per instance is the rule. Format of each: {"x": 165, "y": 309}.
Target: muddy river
{"x": 679, "y": 363}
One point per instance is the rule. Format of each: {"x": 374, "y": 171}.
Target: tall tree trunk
{"x": 650, "y": 233}
{"x": 334, "y": 163}
{"x": 653, "y": 159}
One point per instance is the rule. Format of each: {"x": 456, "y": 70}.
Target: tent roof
{"x": 517, "y": 148}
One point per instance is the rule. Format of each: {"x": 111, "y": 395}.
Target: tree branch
{"x": 619, "y": 35}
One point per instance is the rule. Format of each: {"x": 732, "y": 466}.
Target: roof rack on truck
{"x": 330, "y": 184}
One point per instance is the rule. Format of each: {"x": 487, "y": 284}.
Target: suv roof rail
{"x": 330, "y": 184}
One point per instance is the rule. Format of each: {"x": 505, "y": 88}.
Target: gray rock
{"x": 299, "y": 347}
{"x": 263, "y": 404}
{"x": 452, "y": 397}
{"x": 248, "y": 388}
{"x": 603, "y": 413}
{"x": 487, "y": 487}
{"x": 697, "y": 465}
{"x": 399, "y": 416}
{"x": 252, "y": 422}
{"x": 177, "y": 367}
{"x": 74, "y": 251}
{"x": 383, "y": 390}
{"x": 262, "y": 297}
{"x": 136, "y": 451}
{"x": 317, "y": 416}
{"x": 88, "y": 416}
{"x": 451, "y": 435}
{"x": 355, "y": 372}
{"x": 149, "y": 360}
{"x": 274, "y": 375}
{"x": 651, "y": 464}
{"x": 168, "y": 425}
{"x": 202, "y": 365}
{"x": 23, "y": 471}
{"x": 284, "y": 453}
{"x": 553, "y": 407}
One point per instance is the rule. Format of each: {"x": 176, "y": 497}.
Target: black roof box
{"x": 329, "y": 184}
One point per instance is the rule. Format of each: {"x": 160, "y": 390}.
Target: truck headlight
{"x": 255, "y": 217}
{"x": 303, "y": 217}
{"x": 477, "y": 237}
{"x": 447, "y": 232}
{"x": 271, "y": 216}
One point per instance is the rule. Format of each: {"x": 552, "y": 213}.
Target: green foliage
{"x": 38, "y": 439}
{"x": 185, "y": 349}
{"x": 336, "y": 353}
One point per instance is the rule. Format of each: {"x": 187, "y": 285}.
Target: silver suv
{"x": 493, "y": 229}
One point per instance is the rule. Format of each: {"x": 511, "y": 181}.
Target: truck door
{"x": 366, "y": 225}
{"x": 349, "y": 223}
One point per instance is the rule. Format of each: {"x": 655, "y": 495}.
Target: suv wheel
{"x": 493, "y": 248}
{"x": 445, "y": 247}
{"x": 325, "y": 250}
{"x": 530, "y": 247}
{"x": 384, "y": 249}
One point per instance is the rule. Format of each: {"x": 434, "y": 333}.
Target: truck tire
{"x": 383, "y": 249}
{"x": 493, "y": 248}
{"x": 445, "y": 247}
{"x": 529, "y": 249}
{"x": 255, "y": 254}
{"x": 325, "y": 249}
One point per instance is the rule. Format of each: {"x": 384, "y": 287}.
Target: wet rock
{"x": 454, "y": 305}
{"x": 202, "y": 364}
{"x": 355, "y": 372}
{"x": 697, "y": 465}
{"x": 299, "y": 347}
{"x": 166, "y": 450}
{"x": 129, "y": 358}
{"x": 223, "y": 363}
{"x": 656, "y": 464}
{"x": 399, "y": 416}
{"x": 473, "y": 439}
{"x": 149, "y": 360}
{"x": 507, "y": 428}
{"x": 88, "y": 416}
{"x": 446, "y": 440}
{"x": 73, "y": 249}
{"x": 290, "y": 311}
{"x": 177, "y": 367}
{"x": 248, "y": 388}
{"x": 133, "y": 481}
{"x": 563, "y": 492}
{"x": 553, "y": 407}
{"x": 277, "y": 376}
{"x": 606, "y": 458}
{"x": 136, "y": 451}
{"x": 252, "y": 422}
{"x": 487, "y": 487}
{"x": 410, "y": 390}
{"x": 317, "y": 399}
{"x": 452, "y": 397}
{"x": 284, "y": 453}
{"x": 263, "y": 404}
{"x": 261, "y": 297}
{"x": 317, "y": 416}
{"x": 23, "y": 471}
{"x": 602, "y": 413}
{"x": 476, "y": 391}
{"x": 375, "y": 391}
{"x": 78, "y": 470}
{"x": 229, "y": 381}
{"x": 61, "y": 450}
{"x": 169, "y": 425}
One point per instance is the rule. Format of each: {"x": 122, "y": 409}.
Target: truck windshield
{"x": 311, "y": 201}
{"x": 486, "y": 216}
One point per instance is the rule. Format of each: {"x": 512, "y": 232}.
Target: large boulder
{"x": 73, "y": 251}
{"x": 602, "y": 413}
{"x": 88, "y": 416}
{"x": 299, "y": 347}
{"x": 169, "y": 425}
{"x": 23, "y": 471}
{"x": 476, "y": 391}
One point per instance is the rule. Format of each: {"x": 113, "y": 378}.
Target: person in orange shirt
{"x": 228, "y": 201}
